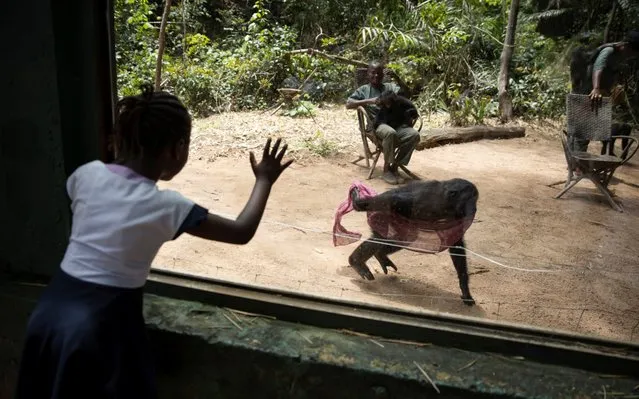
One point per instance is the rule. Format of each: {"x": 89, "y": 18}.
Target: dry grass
{"x": 331, "y": 132}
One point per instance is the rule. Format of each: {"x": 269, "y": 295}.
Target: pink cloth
{"x": 421, "y": 236}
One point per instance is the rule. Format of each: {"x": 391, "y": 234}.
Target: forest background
{"x": 234, "y": 55}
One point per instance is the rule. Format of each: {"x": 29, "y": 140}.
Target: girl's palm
{"x": 271, "y": 165}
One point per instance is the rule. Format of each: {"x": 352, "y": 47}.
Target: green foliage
{"x": 337, "y": 18}
{"x": 334, "y": 80}
{"x": 222, "y": 55}
{"x": 241, "y": 71}
{"x": 464, "y": 109}
{"x": 539, "y": 80}
{"x": 320, "y": 145}
{"x": 135, "y": 44}
{"x": 202, "y": 88}
{"x": 301, "y": 109}
{"x": 434, "y": 43}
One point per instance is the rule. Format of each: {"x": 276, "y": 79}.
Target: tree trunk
{"x": 454, "y": 135}
{"x": 505, "y": 102}
{"x": 611, "y": 17}
{"x": 184, "y": 30}
{"x": 158, "y": 66}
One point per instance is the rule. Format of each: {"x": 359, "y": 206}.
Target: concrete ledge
{"x": 221, "y": 348}
{"x": 203, "y": 351}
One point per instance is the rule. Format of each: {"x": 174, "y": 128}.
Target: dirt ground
{"x": 569, "y": 264}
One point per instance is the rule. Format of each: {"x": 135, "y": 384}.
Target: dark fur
{"x": 422, "y": 200}
{"x": 396, "y": 111}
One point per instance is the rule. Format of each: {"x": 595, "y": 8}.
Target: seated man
{"x": 403, "y": 139}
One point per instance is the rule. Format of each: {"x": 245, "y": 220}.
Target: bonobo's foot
{"x": 363, "y": 271}
{"x": 385, "y": 263}
{"x": 468, "y": 300}
{"x": 386, "y": 266}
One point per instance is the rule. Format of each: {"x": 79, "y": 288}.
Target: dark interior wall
{"x": 33, "y": 208}
{"x": 55, "y": 113}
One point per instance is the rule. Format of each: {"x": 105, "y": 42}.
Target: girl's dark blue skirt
{"x": 86, "y": 340}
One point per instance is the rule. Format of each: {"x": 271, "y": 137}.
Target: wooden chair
{"x": 584, "y": 123}
{"x": 369, "y": 139}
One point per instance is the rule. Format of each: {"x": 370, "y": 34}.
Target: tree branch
{"x": 161, "y": 42}
{"x": 337, "y": 58}
{"x": 610, "y": 20}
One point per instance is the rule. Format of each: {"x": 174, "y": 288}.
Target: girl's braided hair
{"x": 150, "y": 122}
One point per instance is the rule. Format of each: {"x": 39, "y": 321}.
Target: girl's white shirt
{"x": 120, "y": 221}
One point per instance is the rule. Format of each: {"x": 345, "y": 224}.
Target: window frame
{"x": 469, "y": 333}
{"x": 556, "y": 347}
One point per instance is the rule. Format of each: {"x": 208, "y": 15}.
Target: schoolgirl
{"x": 86, "y": 336}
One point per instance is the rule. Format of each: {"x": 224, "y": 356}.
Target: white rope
{"x": 395, "y": 244}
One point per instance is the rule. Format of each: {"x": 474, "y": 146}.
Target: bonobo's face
{"x": 385, "y": 102}
{"x": 462, "y": 197}
{"x": 387, "y": 99}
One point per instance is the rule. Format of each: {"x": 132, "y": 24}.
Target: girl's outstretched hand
{"x": 271, "y": 165}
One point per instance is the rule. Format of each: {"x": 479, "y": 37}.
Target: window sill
{"x": 241, "y": 352}
{"x": 203, "y": 349}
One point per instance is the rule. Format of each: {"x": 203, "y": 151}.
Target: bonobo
{"x": 395, "y": 111}
{"x": 618, "y": 129}
{"x": 439, "y": 209}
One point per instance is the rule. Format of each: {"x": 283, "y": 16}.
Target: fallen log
{"x": 453, "y": 135}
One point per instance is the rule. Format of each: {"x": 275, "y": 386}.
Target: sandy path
{"x": 591, "y": 249}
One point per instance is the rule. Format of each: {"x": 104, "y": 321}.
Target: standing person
{"x": 86, "y": 337}
{"x": 402, "y": 140}
{"x": 597, "y": 77}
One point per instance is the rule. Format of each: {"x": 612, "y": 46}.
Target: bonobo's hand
{"x": 358, "y": 205}
{"x": 271, "y": 165}
{"x": 354, "y": 194}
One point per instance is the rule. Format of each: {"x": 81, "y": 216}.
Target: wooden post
{"x": 161, "y": 41}
{"x": 611, "y": 17}
{"x": 505, "y": 102}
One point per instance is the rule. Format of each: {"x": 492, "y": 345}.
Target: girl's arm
{"x": 242, "y": 229}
